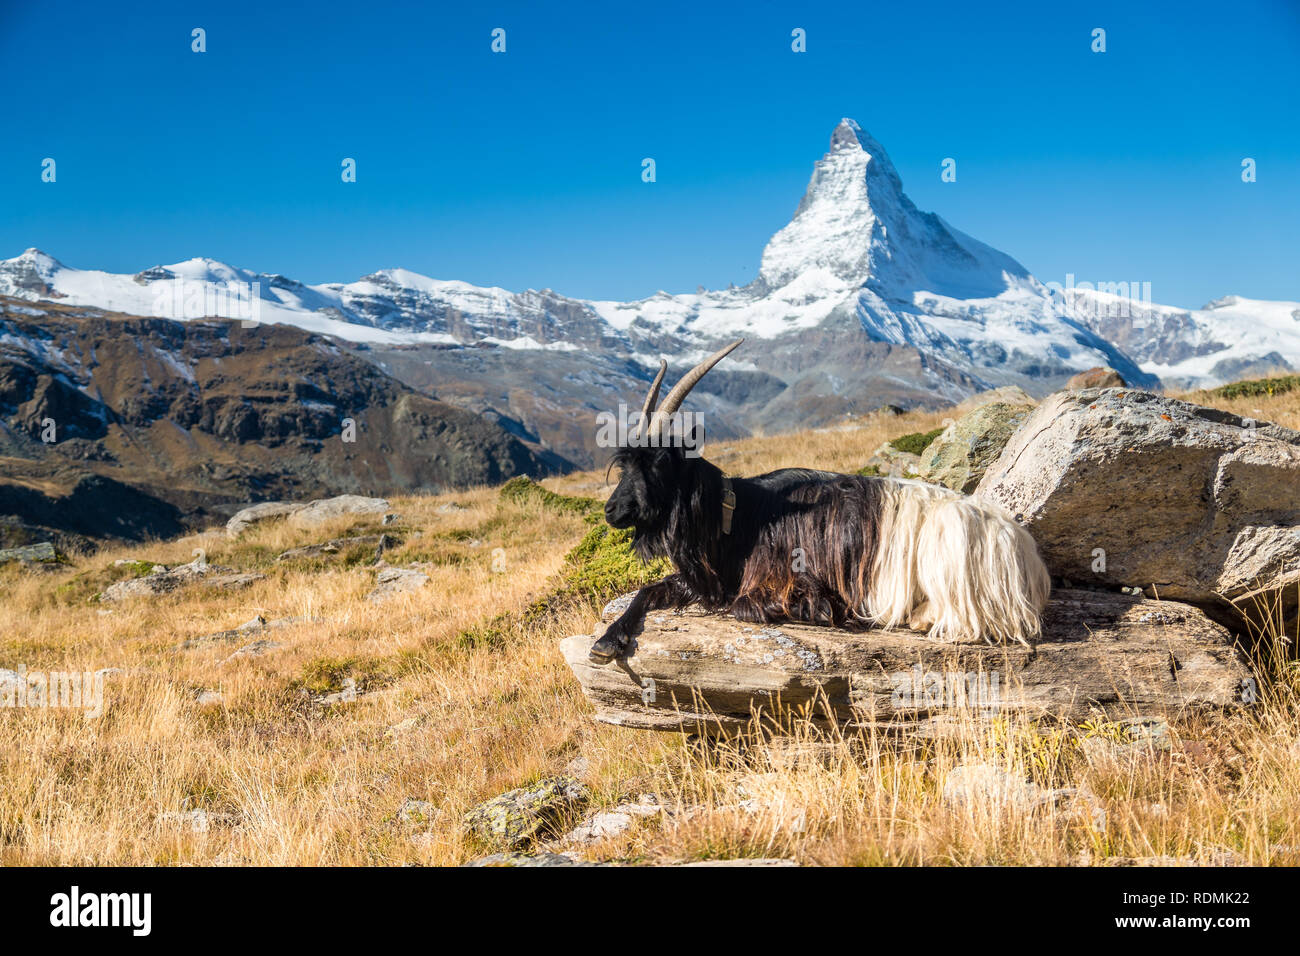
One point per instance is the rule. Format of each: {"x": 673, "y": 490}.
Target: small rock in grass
{"x": 255, "y": 649}
{"x": 516, "y": 818}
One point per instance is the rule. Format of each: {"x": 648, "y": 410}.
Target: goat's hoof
{"x": 604, "y": 650}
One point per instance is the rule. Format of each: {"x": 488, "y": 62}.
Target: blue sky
{"x": 523, "y": 169}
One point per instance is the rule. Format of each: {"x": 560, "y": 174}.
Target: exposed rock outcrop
{"x": 1128, "y": 488}
{"x": 1100, "y": 652}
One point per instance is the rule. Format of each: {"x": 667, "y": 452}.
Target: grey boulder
{"x": 959, "y": 457}
{"x": 1128, "y": 488}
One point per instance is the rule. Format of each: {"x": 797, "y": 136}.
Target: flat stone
{"x": 1100, "y": 652}
{"x": 41, "y": 553}
{"x": 392, "y": 581}
{"x": 245, "y": 518}
{"x": 255, "y": 649}
{"x": 327, "y": 509}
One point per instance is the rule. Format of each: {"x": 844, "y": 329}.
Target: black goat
{"x": 816, "y": 546}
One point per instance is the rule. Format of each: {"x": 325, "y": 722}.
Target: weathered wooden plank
{"x": 1100, "y": 652}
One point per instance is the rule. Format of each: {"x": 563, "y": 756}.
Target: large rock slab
{"x": 1100, "y": 652}
{"x": 1123, "y": 487}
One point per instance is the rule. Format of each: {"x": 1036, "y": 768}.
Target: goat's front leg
{"x": 672, "y": 591}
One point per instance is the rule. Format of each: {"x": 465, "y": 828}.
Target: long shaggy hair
{"x": 819, "y": 547}
{"x": 836, "y": 549}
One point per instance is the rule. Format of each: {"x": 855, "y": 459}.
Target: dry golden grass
{"x": 453, "y": 712}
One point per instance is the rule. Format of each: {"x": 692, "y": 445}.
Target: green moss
{"x": 326, "y": 675}
{"x": 523, "y": 490}
{"x": 603, "y": 566}
{"x": 1258, "y": 388}
{"x": 488, "y": 634}
{"x": 870, "y": 471}
{"x": 915, "y": 442}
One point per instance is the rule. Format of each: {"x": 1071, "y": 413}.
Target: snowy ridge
{"x": 857, "y": 250}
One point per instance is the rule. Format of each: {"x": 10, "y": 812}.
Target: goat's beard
{"x": 649, "y": 544}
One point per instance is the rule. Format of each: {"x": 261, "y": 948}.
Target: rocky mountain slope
{"x": 861, "y": 299}
{"x": 127, "y": 427}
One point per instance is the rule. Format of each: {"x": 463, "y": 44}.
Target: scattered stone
{"x": 959, "y": 457}
{"x": 1150, "y": 731}
{"x": 233, "y": 582}
{"x": 617, "y": 606}
{"x": 516, "y": 818}
{"x": 333, "y": 547}
{"x": 1098, "y": 377}
{"x": 254, "y": 514}
{"x": 392, "y": 581}
{"x": 402, "y": 727}
{"x": 888, "y": 461}
{"x": 1123, "y": 487}
{"x": 249, "y": 627}
{"x": 199, "y": 821}
{"x": 417, "y": 812}
{"x": 347, "y": 695}
{"x": 528, "y": 859}
{"x": 324, "y": 510}
{"x": 450, "y": 508}
{"x": 744, "y": 861}
{"x": 163, "y": 580}
{"x": 607, "y": 823}
{"x": 973, "y": 785}
{"x": 255, "y": 649}
{"x": 598, "y": 826}
{"x": 1138, "y": 737}
{"x": 209, "y": 698}
{"x": 42, "y": 553}
{"x": 390, "y": 519}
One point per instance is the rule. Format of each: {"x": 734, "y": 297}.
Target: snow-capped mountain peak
{"x": 857, "y": 264}
{"x": 856, "y": 222}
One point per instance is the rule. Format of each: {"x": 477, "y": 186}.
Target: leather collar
{"x": 728, "y": 504}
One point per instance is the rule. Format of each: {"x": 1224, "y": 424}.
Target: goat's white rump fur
{"x": 954, "y": 565}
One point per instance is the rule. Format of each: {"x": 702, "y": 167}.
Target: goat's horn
{"x": 652, "y": 397}
{"x": 675, "y": 398}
